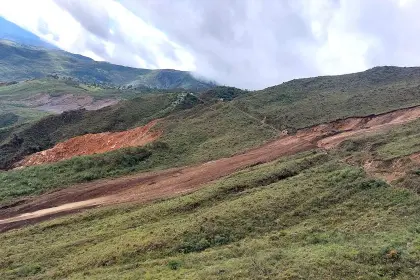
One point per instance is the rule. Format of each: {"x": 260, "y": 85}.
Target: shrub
{"x": 372, "y": 183}
{"x": 174, "y": 264}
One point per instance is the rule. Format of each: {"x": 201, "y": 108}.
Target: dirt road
{"x": 163, "y": 184}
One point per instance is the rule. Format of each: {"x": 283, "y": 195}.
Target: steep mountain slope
{"x": 21, "y": 62}
{"x": 12, "y": 32}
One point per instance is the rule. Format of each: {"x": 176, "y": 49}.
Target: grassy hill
{"x": 304, "y": 102}
{"x": 33, "y": 99}
{"x": 21, "y": 62}
{"x": 31, "y": 137}
{"x": 326, "y": 220}
{"x": 330, "y": 217}
{"x": 292, "y": 105}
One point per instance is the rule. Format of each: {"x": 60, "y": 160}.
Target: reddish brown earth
{"x": 89, "y": 144}
{"x": 388, "y": 170}
{"x": 168, "y": 183}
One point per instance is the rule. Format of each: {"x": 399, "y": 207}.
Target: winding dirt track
{"x": 168, "y": 183}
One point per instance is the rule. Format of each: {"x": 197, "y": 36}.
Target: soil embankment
{"x": 156, "y": 185}
{"x": 90, "y": 144}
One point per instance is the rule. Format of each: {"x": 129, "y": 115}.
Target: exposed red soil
{"x": 357, "y": 126}
{"x": 388, "y": 170}
{"x": 89, "y": 144}
{"x": 415, "y": 157}
{"x": 163, "y": 184}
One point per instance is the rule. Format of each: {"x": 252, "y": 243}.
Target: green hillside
{"x": 305, "y": 102}
{"x": 21, "y": 62}
{"x": 36, "y": 136}
{"x": 291, "y": 106}
{"x": 314, "y": 215}
{"x": 325, "y": 220}
{"x": 32, "y": 99}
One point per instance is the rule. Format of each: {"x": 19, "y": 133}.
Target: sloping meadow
{"x": 306, "y": 216}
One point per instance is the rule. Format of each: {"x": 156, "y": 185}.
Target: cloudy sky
{"x": 245, "y": 43}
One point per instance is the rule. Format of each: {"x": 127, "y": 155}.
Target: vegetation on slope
{"x": 187, "y": 139}
{"x": 43, "y": 134}
{"x": 56, "y": 86}
{"x": 310, "y": 216}
{"x": 291, "y": 106}
{"x": 23, "y": 99}
{"x": 32, "y": 99}
{"x": 325, "y": 219}
{"x": 305, "y": 102}
{"x": 8, "y": 119}
{"x": 22, "y": 62}
{"x": 393, "y": 151}
{"x": 232, "y": 131}
{"x": 208, "y": 130}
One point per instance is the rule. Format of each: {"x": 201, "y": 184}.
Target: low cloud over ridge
{"x": 246, "y": 43}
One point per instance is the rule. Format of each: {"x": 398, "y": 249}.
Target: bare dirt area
{"x": 89, "y": 144}
{"x": 388, "y": 170}
{"x": 358, "y": 126}
{"x": 150, "y": 186}
{"x": 143, "y": 187}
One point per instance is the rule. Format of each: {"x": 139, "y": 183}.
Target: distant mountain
{"x": 21, "y": 62}
{"x": 12, "y": 32}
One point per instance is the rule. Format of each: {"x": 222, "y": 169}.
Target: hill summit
{"x": 22, "y": 62}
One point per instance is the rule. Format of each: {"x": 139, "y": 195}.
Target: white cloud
{"x": 29, "y": 15}
{"x": 245, "y": 43}
{"x": 122, "y": 46}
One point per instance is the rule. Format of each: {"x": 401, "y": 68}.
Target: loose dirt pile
{"x": 167, "y": 183}
{"x": 89, "y": 144}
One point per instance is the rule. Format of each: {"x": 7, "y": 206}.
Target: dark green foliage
{"x": 223, "y": 93}
{"x": 8, "y": 119}
{"x": 174, "y": 264}
{"x": 372, "y": 183}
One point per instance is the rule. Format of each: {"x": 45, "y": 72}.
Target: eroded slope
{"x": 150, "y": 186}
{"x": 90, "y": 144}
